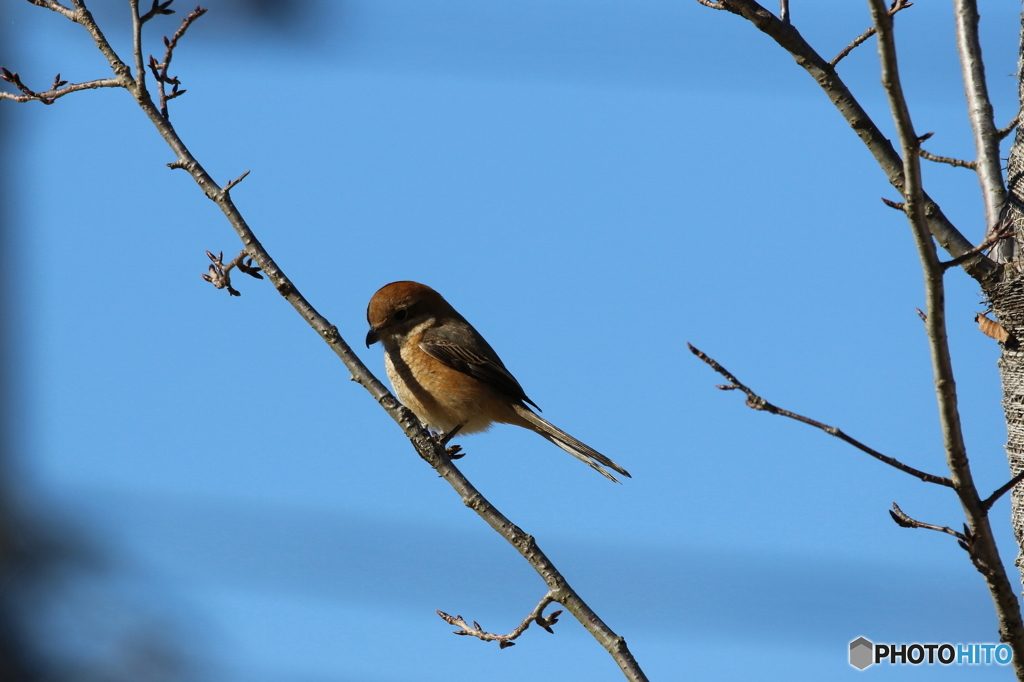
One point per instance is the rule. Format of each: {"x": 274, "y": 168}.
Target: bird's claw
{"x": 453, "y": 451}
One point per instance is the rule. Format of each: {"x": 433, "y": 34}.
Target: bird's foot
{"x": 453, "y": 451}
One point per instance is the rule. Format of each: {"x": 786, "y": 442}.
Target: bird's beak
{"x": 372, "y": 336}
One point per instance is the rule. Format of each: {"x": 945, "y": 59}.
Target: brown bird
{"x": 444, "y": 371}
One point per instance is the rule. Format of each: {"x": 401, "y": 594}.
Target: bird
{"x": 445, "y": 372}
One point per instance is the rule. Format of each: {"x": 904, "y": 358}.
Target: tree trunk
{"x": 1007, "y": 301}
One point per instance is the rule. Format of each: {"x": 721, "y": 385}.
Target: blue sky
{"x": 592, "y": 185}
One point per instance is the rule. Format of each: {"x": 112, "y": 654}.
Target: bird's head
{"x": 399, "y": 307}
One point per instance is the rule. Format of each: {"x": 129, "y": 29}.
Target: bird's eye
{"x": 401, "y": 314}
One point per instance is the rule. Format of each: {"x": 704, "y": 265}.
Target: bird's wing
{"x": 465, "y": 360}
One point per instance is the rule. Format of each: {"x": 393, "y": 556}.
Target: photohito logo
{"x": 864, "y": 653}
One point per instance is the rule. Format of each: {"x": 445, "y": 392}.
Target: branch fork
{"x": 219, "y": 274}
{"x": 157, "y": 9}
{"x": 159, "y": 69}
{"x": 895, "y": 7}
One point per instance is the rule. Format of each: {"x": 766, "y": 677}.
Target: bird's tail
{"x": 580, "y": 451}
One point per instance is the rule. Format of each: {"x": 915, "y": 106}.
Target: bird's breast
{"x": 440, "y": 396}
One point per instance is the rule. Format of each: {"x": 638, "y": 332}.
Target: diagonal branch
{"x": 896, "y": 6}
{"x": 81, "y": 15}
{"x": 505, "y": 641}
{"x": 1002, "y": 490}
{"x": 1005, "y": 132}
{"x": 756, "y": 402}
{"x": 790, "y": 39}
{"x": 56, "y": 7}
{"x": 429, "y": 448}
{"x": 1005, "y": 233}
{"x": 227, "y": 187}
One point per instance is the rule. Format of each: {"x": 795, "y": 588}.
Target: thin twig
{"x": 756, "y": 402}
{"x": 905, "y": 521}
{"x": 1002, "y": 490}
{"x": 227, "y": 187}
{"x": 979, "y": 540}
{"x": 14, "y": 79}
{"x": 898, "y": 205}
{"x": 1005, "y": 132}
{"x": 959, "y": 163}
{"x": 159, "y": 69}
{"x": 784, "y": 12}
{"x": 896, "y": 6}
{"x": 55, "y": 93}
{"x": 1004, "y": 234}
{"x": 712, "y": 4}
{"x": 156, "y": 9}
{"x": 505, "y": 641}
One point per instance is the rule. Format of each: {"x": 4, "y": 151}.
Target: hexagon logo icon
{"x": 862, "y": 653}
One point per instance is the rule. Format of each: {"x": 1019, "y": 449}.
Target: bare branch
{"x": 898, "y": 205}
{"x": 712, "y": 4}
{"x": 219, "y": 274}
{"x": 227, "y": 187}
{"x": 896, "y": 6}
{"x": 959, "y": 163}
{"x": 914, "y": 209}
{"x": 55, "y": 92}
{"x": 1005, "y": 132}
{"x": 1002, "y": 490}
{"x": 980, "y": 112}
{"x": 756, "y": 402}
{"x": 140, "y": 69}
{"x": 978, "y": 539}
{"x": 56, "y": 7}
{"x": 505, "y": 641}
{"x": 789, "y": 38}
{"x": 784, "y": 12}
{"x": 85, "y": 18}
{"x": 157, "y": 8}
{"x": 1006, "y": 233}
{"x": 159, "y": 69}
{"x": 15, "y": 80}
{"x": 905, "y": 521}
